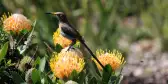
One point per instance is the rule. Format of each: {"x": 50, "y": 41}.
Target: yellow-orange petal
{"x": 59, "y": 39}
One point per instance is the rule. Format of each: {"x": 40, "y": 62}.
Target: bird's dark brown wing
{"x": 69, "y": 31}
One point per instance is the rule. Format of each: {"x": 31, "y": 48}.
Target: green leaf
{"x": 49, "y": 80}
{"x": 93, "y": 70}
{"x": 118, "y": 81}
{"x": 3, "y": 51}
{"x": 60, "y": 81}
{"x": 82, "y": 76}
{"x": 9, "y": 62}
{"x": 12, "y": 33}
{"x": 42, "y": 64}
{"x": 93, "y": 81}
{"x": 58, "y": 48}
{"x": 45, "y": 79}
{"x": 113, "y": 79}
{"x": 119, "y": 77}
{"x": 37, "y": 61}
{"x": 16, "y": 78}
{"x": 95, "y": 66}
{"x": 74, "y": 75}
{"x": 107, "y": 71}
{"x": 34, "y": 23}
{"x": 35, "y": 76}
{"x": 28, "y": 42}
{"x": 24, "y": 31}
{"x": 77, "y": 45}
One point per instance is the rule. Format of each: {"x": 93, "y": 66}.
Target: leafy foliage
{"x": 3, "y": 51}
{"x": 39, "y": 72}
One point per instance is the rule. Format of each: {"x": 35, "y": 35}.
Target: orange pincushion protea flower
{"x": 114, "y": 58}
{"x": 63, "y": 63}
{"x": 59, "y": 39}
{"x": 16, "y": 23}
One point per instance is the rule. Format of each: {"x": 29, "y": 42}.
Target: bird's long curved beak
{"x": 53, "y": 13}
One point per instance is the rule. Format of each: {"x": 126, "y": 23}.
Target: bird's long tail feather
{"x": 84, "y": 44}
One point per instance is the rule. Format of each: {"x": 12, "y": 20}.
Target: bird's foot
{"x": 69, "y": 48}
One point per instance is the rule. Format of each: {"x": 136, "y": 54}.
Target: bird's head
{"x": 60, "y": 15}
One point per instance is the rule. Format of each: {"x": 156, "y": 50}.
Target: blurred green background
{"x": 101, "y": 22}
{"x": 105, "y": 24}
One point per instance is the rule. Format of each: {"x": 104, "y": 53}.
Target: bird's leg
{"x": 71, "y": 45}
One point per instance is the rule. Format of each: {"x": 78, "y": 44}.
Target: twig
{"x": 34, "y": 54}
{"x": 49, "y": 48}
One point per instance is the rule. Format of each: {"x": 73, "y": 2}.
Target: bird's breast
{"x": 60, "y": 25}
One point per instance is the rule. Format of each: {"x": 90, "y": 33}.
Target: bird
{"x": 69, "y": 32}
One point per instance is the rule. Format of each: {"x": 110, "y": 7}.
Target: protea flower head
{"x": 16, "y": 23}
{"x": 114, "y": 58}
{"x": 62, "y": 64}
